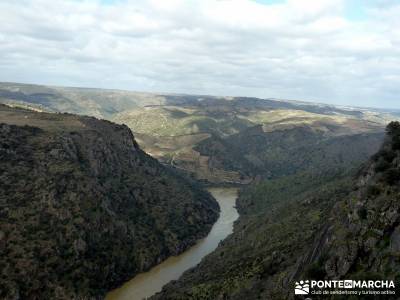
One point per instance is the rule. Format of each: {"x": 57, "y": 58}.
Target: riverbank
{"x": 148, "y": 283}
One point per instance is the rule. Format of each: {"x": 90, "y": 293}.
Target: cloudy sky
{"x": 334, "y": 51}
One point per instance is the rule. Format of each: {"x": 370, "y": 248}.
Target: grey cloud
{"x": 199, "y": 47}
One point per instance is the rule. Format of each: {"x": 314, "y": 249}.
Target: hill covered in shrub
{"x": 337, "y": 222}
{"x": 83, "y": 208}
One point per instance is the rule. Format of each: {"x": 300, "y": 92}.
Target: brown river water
{"x": 148, "y": 283}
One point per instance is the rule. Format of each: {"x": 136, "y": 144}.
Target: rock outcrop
{"x": 361, "y": 239}
{"x": 286, "y": 223}
{"x": 83, "y": 208}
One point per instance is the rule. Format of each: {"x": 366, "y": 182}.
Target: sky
{"x": 332, "y": 51}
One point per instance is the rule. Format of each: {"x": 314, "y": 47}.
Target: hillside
{"x": 302, "y": 161}
{"x": 254, "y": 153}
{"x": 229, "y": 140}
{"x": 204, "y": 135}
{"x": 361, "y": 239}
{"x": 99, "y": 103}
{"x": 83, "y": 208}
{"x": 332, "y": 223}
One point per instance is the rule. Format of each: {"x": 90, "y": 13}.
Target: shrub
{"x": 391, "y": 176}
{"x": 362, "y": 213}
{"x": 381, "y": 165}
{"x": 388, "y": 155}
{"x": 316, "y": 271}
{"x": 385, "y": 154}
{"x": 396, "y": 142}
{"x": 373, "y": 190}
{"x": 393, "y": 128}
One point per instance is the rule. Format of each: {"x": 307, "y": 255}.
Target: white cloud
{"x": 300, "y": 49}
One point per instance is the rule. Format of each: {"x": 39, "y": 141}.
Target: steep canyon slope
{"x": 83, "y": 208}
{"x": 301, "y": 160}
{"x": 331, "y": 223}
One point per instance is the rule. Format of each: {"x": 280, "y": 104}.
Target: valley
{"x": 326, "y": 225}
{"x": 199, "y": 150}
{"x": 304, "y": 172}
{"x": 206, "y": 136}
{"x": 148, "y": 283}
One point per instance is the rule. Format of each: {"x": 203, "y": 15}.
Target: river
{"x": 147, "y": 284}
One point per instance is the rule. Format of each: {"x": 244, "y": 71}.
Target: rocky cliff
{"x": 83, "y": 208}
{"x": 361, "y": 239}
{"x": 339, "y": 221}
